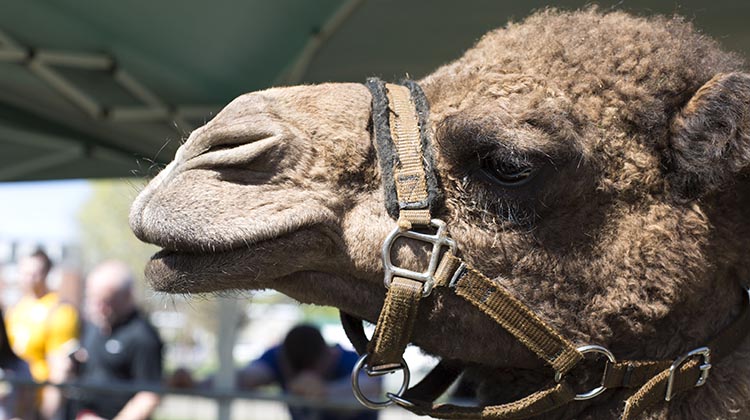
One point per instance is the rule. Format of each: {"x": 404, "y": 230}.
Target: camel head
{"x": 591, "y": 163}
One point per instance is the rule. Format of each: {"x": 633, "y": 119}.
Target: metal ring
{"x": 400, "y": 400}
{"x": 592, "y": 348}
{"x": 376, "y": 405}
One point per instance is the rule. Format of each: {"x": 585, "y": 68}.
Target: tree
{"x": 104, "y": 229}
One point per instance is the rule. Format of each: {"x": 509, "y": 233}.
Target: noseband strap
{"x": 413, "y": 197}
{"x": 400, "y": 116}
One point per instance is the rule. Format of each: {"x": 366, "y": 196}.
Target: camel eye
{"x": 507, "y": 174}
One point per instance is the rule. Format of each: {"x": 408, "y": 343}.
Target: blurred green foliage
{"x": 104, "y": 230}
{"x": 105, "y": 234}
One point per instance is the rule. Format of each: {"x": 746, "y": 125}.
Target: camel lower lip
{"x": 254, "y": 266}
{"x": 183, "y": 272}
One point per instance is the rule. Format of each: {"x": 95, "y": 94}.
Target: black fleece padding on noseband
{"x": 434, "y": 189}
{"x": 386, "y": 149}
{"x": 384, "y": 143}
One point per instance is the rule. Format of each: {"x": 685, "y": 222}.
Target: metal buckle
{"x": 376, "y": 405}
{"x": 592, "y": 348}
{"x": 705, "y": 368}
{"x": 438, "y": 240}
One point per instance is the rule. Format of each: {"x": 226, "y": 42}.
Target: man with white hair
{"x": 119, "y": 346}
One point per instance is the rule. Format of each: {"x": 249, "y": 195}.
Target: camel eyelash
{"x": 507, "y": 173}
{"x": 486, "y": 204}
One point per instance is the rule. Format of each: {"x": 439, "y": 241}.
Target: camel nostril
{"x": 261, "y": 154}
{"x": 226, "y": 138}
{"x": 222, "y": 146}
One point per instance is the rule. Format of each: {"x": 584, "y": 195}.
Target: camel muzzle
{"x": 400, "y": 114}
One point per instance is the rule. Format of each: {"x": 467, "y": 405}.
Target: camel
{"x": 592, "y": 163}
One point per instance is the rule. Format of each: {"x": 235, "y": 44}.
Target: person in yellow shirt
{"x": 42, "y": 330}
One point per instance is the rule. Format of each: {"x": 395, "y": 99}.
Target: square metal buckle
{"x": 427, "y": 278}
{"x": 705, "y": 368}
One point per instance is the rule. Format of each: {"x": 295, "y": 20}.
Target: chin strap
{"x": 400, "y": 118}
{"x": 653, "y": 380}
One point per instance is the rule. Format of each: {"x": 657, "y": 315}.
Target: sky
{"x": 41, "y": 210}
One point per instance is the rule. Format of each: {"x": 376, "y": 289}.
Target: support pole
{"x": 229, "y": 312}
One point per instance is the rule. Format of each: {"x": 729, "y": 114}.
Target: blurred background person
{"x": 304, "y": 366}
{"x": 16, "y": 400}
{"x": 118, "y": 346}
{"x": 43, "y": 330}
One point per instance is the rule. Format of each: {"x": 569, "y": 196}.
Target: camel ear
{"x": 710, "y": 137}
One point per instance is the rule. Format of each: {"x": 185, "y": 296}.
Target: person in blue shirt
{"x": 304, "y": 365}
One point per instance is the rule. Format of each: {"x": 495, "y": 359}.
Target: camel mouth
{"x": 254, "y": 265}
{"x": 180, "y": 272}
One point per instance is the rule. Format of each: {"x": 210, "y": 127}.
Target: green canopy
{"x": 109, "y": 89}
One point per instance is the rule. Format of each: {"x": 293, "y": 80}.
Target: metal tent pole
{"x": 229, "y": 311}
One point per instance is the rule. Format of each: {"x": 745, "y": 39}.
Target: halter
{"x": 400, "y": 120}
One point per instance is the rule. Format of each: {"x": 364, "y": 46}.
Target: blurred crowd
{"x": 47, "y": 341}
{"x": 106, "y": 360}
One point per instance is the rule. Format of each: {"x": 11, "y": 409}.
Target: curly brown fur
{"x": 631, "y": 233}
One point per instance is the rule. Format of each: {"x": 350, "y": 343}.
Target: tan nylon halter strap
{"x": 512, "y": 314}
{"x": 396, "y": 321}
{"x": 690, "y": 372}
{"x": 394, "y": 327}
{"x": 409, "y": 174}
{"x": 649, "y": 377}
{"x": 410, "y": 188}
{"x": 395, "y": 324}
{"x": 400, "y": 121}
{"x": 532, "y": 405}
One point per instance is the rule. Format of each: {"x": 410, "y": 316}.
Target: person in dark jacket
{"x": 119, "y": 346}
